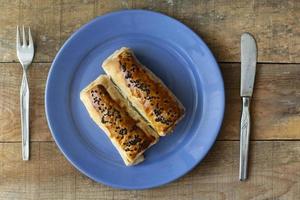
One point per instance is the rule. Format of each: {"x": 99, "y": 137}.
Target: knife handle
{"x": 244, "y": 138}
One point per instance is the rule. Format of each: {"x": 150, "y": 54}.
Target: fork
{"x": 25, "y": 53}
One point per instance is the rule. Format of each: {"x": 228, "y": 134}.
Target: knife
{"x": 248, "y": 68}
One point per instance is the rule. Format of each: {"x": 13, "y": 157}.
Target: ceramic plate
{"x": 176, "y": 55}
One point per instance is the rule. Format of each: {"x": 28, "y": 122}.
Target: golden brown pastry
{"x": 146, "y": 92}
{"x": 112, "y": 113}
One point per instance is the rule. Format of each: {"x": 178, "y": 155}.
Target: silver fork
{"x": 25, "y": 53}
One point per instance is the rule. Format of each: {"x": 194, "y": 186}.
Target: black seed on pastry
{"x": 135, "y": 140}
{"x": 157, "y": 111}
{"x": 103, "y": 121}
{"x": 123, "y": 131}
{"x": 128, "y": 75}
{"x": 123, "y": 67}
{"x": 149, "y": 98}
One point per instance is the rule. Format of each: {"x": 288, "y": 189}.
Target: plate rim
{"x": 82, "y": 28}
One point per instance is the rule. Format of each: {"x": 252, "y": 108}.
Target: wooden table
{"x": 275, "y": 146}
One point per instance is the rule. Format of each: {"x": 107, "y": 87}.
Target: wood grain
{"x": 275, "y": 108}
{"x": 8, "y": 21}
{"x": 10, "y": 81}
{"x": 102, "y": 7}
{"x": 220, "y": 23}
{"x": 275, "y": 105}
{"x": 275, "y": 24}
{"x": 74, "y": 14}
{"x": 274, "y": 164}
{"x": 44, "y": 18}
{"x": 274, "y": 174}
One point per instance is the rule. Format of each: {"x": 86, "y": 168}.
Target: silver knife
{"x": 248, "y": 68}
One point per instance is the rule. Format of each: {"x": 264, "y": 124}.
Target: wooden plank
{"x": 271, "y": 22}
{"x": 8, "y": 21}
{"x": 285, "y": 168}
{"x": 275, "y": 106}
{"x": 102, "y": 7}
{"x": 46, "y": 176}
{"x": 273, "y": 174}
{"x": 220, "y": 23}
{"x": 10, "y": 81}
{"x": 44, "y": 19}
{"x": 74, "y": 14}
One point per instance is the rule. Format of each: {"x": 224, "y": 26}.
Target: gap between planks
{"x": 221, "y": 62}
{"x": 229, "y": 140}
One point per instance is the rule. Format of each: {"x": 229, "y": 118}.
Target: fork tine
{"x": 18, "y": 38}
{"x": 30, "y": 37}
{"x": 24, "y": 39}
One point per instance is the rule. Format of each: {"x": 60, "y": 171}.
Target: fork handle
{"x": 24, "y": 106}
{"x": 244, "y": 138}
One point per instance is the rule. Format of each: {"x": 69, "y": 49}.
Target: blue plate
{"x": 176, "y": 55}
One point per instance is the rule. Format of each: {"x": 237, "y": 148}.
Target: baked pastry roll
{"x": 146, "y": 92}
{"x": 121, "y": 123}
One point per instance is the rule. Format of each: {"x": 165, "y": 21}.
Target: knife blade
{"x": 248, "y": 69}
{"x": 248, "y": 64}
